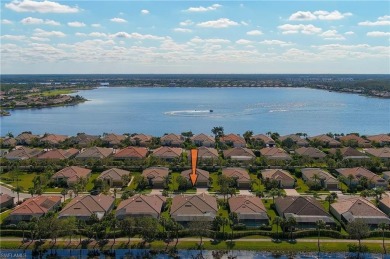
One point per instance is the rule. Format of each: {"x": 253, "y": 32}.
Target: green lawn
{"x": 90, "y": 184}
{"x": 4, "y": 215}
{"x": 214, "y": 186}
{"x": 271, "y": 213}
{"x": 173, "y": 185}
{"x": 133, "y": 186}
{"x": 56, "y": 92}
{"x": 257, "y": 186}
{"x": 224, "y": 213}
{"x": 25, "y": 179}
{"x": 301, "y": 186}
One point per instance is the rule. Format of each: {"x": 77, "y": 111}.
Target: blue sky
{"x": 44, "y": 37}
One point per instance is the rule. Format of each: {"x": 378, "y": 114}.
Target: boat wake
{"x": 189, "y": 113}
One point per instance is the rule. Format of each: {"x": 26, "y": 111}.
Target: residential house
{"x": 382, "y": 153}
{"x": 141, "y": 140}
{"x": 283, "y": 177}
{"x": 233, "y": 140}
{"x": 240, "y": 176}
{"x": 386, "y": 175}
{"x": 355, "y": 140}
{"x": 207, "y": 153}
{"x": 381, "y": 139}
{"x": 384, "y": 204}
{"x": 317, "y": 175}
{"x": 310, "y": 152}
{"x": 141, "y": 206}
{"x": 95, "y": 153}
{"x": 239, "y": 154}
{"x": 156, "y": 176}
{"x": 8, "y": 142}
{"x": 172, "y": 140}
{"x": 114, "y": 177}
{"x": 274, "y": 153}
{"x": 349, "y": 153}
{"x": 203, "y": 140}
{"x": 201, "y": 207}
{"x": 34, "y": 207}
{"x": 26, "y": 138}
{"x": 349, "y": 209}
{"x": 113, "y": 140}
{"x": 168, "y": 153}
{"x": 250, "y": 210}
{"x": 300, "y": 142}
{"x": 131, "y": 153}
{"x": 269, "y": 142}
{"x": 325, "y": 140}
{"x": 53, "y": 139}
{"x": 59, "y": 154}
{"x": 23, "y": 153}
{"x": 6, "y": 201}
{"x": 202, "y": 179}
{"x": 82, "y": 207}
{"x": 83, "y": 140}
{"x": 71, "y": 175}
{"x": 373, "y": 180}
{"x": 305, "y": 209}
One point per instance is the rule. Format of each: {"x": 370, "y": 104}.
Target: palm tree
{"x": 233, "y": 220}
{"x": 320, "y": 225}
{"x": 341, "y": 179}
{"x": 383, "y": 226}
{"x": 350, "y": 177}
{"x": 330, "y": 198}
{"x": 224, "y": 222}
{"x": 18, "y": 189}
{"x": 22, "y": 225}
{"x": 277, "y": 220}
{"x": 113, "y": 224}
{"x": 315, "y": 178}
{"x": 64, "y": 192}
{"x": 128, "y": 225}
{"x": 248, "y": 136}
{"x": 31, "y": 191}
{"x": 275, "y": 192}
{"x": 291, "y": 222}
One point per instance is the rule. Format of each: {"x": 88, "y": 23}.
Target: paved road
{"x": 291, "y": 192}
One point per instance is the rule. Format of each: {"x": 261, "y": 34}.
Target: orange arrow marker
{"x": 194, "y": 160}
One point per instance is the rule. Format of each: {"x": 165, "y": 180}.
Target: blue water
{"x": 157, "y": 111}
{"x": 143, "y": 253}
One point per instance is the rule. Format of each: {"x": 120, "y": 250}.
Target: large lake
{"x": 157, "y": 111}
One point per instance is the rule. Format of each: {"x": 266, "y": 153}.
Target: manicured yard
{"x": 25, "y": 179}
{"x": 173, "y": 185}
{"x": 224, "y": 213}
{"x": 90, "y": 184}
{"x": 214, "y": 185}
{"x": 4, "y": 215}
{"x": 301, "y": 186}
{"x": 271, "y": 213}
{"x": 56, "y": 92}
{"x": 257, "y": 186}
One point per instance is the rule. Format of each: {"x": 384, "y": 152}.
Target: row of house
{"x": 169, "y": 153}
{"x": 176, "y": 140}
{"x": 203, "y": 207}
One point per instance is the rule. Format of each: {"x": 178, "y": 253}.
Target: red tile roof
{"x": 131, "y": 152}
{"x": 36, "y": 205}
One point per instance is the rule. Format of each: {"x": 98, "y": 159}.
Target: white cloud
{"x": 302, "y": 16}
{"x": 76, "y": 24}
{"x": 136, "y": 36}
{"x": 244, "y": 23}
{"x": 145, "y": 11}
{"x": 45, "y": 34}
{"x": 97, "y": 34}
{"x": 243, "y": 42}
{"x": 182, "y": 30}
{"x": 276, "y": 42}
{"x": 118, "y": 20}
{"x": 80, "y": 34}
{"x": 378, "y": 34}
{"x": 39, "y": 39}
{"x": 299, "y": 28}
{"x": 349, "y": 33}
{"x": 96, "y": 25}
{"x": 40, "y": 7}
{"x": 13, "y": 37}
{"x": 381, "y": 21}
{"x": 332, "y": 35}
{"x": 34, "y": 21}
{"x": 220, "y": 23}
{"x": 5, "y": 21}
{"x": 254, "y": 33}
{"x": 215, "y": 40}
{"x": 186, "y": 23}
{"x": 320, "y": 15}
{"x": 203, "y": 9}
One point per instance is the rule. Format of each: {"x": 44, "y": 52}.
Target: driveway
{"x": 156, "y": 191}
{"x": 291, "y": 192}
{"x": 246, "y": 192}
{"x": 202, "y": 190}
